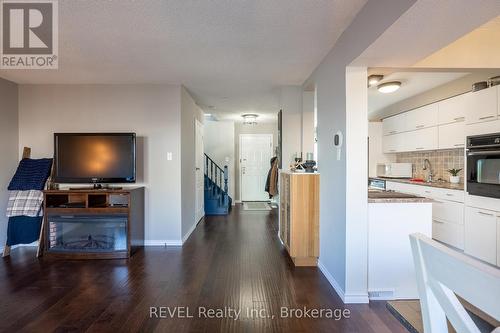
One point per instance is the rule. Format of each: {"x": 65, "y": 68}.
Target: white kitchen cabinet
{"x": 482, "y": 106}
{"x": 421, "y": 140}
{"x": 395, "y": 124}
{"x": 448, "y": 233}
{"x": 394, "y": 143}
{"x": 451, "y": 135}
{"x": 481, "y": 234}
{"x": 452, "y": 109}
{"x": 423, "y": 117}
{"x": 498, "y": 240}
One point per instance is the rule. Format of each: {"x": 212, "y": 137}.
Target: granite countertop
{"x": 375, "y": 196}
{"x": 438, "y": 184}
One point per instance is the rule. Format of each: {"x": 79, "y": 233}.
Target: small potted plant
{"x": 454, "y": 177}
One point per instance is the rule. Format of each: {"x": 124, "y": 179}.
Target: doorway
{"x": 199, "y": 173}
{"x": 255, "y": 155}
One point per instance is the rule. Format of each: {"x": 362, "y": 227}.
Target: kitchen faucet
{"x": 427, "y": 165}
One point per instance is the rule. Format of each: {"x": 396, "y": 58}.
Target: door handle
{"x": 197, "y": 169}
{"x": 488, "y": 117}
{"x": 483, "y": 213}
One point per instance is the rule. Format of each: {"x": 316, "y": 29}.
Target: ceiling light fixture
{"x": 374, "y": 79}
{"x": 250, "y": 119}
{"x": 389, "y": 87}
{"x": 208, "y": 115}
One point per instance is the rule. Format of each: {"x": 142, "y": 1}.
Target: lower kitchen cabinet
{"x": 449, "y": 233}
{"x": 481, "y": 234}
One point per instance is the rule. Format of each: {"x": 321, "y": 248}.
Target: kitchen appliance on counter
{"x": 395, "y": 170}
{"x": 483, "y": 165}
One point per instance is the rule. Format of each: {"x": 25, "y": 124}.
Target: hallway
{"x": 233, "y": 261}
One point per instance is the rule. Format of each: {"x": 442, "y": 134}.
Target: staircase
{"x": 217, "y": 199}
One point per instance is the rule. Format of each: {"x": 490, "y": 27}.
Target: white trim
{"x": 332, "y": 280}
{"x": 347, "y": 299}
{"x": 190, "y": 231}
{"x": 161, "y": 242}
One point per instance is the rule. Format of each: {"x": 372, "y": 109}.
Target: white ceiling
{"x": 229, "y": 54}
{"x": 413, "y": 83}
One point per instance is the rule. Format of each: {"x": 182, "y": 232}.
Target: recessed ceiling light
{"x": 389, "y": 87}
{"x": 250, "y": 119}
{"x": 374, "y": 79}
{"x": 208, "y": 115}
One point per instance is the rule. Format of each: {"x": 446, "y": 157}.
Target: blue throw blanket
{"x": 31, "y": 174}
{"x": 23, "y": 230}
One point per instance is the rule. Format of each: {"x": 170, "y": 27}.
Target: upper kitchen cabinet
{"x": 451, "y": 135}
{"x": 482, "y": 106}
{"x": 394, "y": 143}
{"x": 423, "y": 117}
{"x": 421, "y": 140}
{"x": 395, "y": 124}
{"x": 453, "y": 109}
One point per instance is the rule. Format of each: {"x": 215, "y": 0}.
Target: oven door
{"x": 483, "y": 172}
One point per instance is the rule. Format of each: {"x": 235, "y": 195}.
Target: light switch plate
{"x": 169, "y": 156}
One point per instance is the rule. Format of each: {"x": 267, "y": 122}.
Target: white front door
{"x": 255, "y": 156}
{"x": 199, "y": 157}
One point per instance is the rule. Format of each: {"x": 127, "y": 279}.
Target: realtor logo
{"x": 29, "y": 34}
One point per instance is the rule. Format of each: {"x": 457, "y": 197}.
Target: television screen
{"x": 94, "y": 157}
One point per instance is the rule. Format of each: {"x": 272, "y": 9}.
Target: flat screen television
{"x": 95, "y": 158}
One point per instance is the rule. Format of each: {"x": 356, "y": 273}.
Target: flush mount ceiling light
{"x": 389, "y": 87}
{"x": 374, "y": 79}
{"x": 250, "y": 119}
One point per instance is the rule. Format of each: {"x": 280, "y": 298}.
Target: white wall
{"x": 375, "y": 133}
{"x": 307, "y": 122}
{"x": 189, "y": 112}
{"x": 260, "y": 128}
{"x": 337, "y": 254}
{"x": 219, "y": 145}
{"x": 9, "y": 157}
{"x": 152, "y": 111}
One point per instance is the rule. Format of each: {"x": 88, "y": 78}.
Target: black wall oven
{"x": 483, "y": 165}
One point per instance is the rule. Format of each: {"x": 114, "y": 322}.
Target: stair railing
{"x": 219, "y": 176}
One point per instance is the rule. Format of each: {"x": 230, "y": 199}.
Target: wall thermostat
{"x": 338, "y": 141}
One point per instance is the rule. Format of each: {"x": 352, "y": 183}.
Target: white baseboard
{"x": 332, "y": 281}
{"x": 346, "y": 298}
{"x": 162, "y": 242}
{"x": 190, "y": 231}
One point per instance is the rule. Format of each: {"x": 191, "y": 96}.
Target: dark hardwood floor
{"x": 235, "y": 261}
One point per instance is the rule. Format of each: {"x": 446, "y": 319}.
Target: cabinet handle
{"x": 449, "y": 194}
{"x": 488, "y": 117}
{"x": 440, "y": 222}
{"x": 483, "y": 213}
{"x": 459, "y": 118}
{"x": 392, "y": 150}
{"x": 420, "y": 126}
{"x": 393, "y": 132}
{"x": 459, "y": 145}
{"x": 419, "y": 148}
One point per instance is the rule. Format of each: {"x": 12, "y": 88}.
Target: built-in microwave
{"x": 483, "y": 165}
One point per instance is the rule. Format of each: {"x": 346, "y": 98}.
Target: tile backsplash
{"x": 441, "y": 161}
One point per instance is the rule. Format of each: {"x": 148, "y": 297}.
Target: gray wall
{"x": 189, "y": 112}
{"x": 330, "y": 79}
{"x": 152, "y": 111}
{"x": 260, "y": 128}
{"x": 9, "y": 157}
